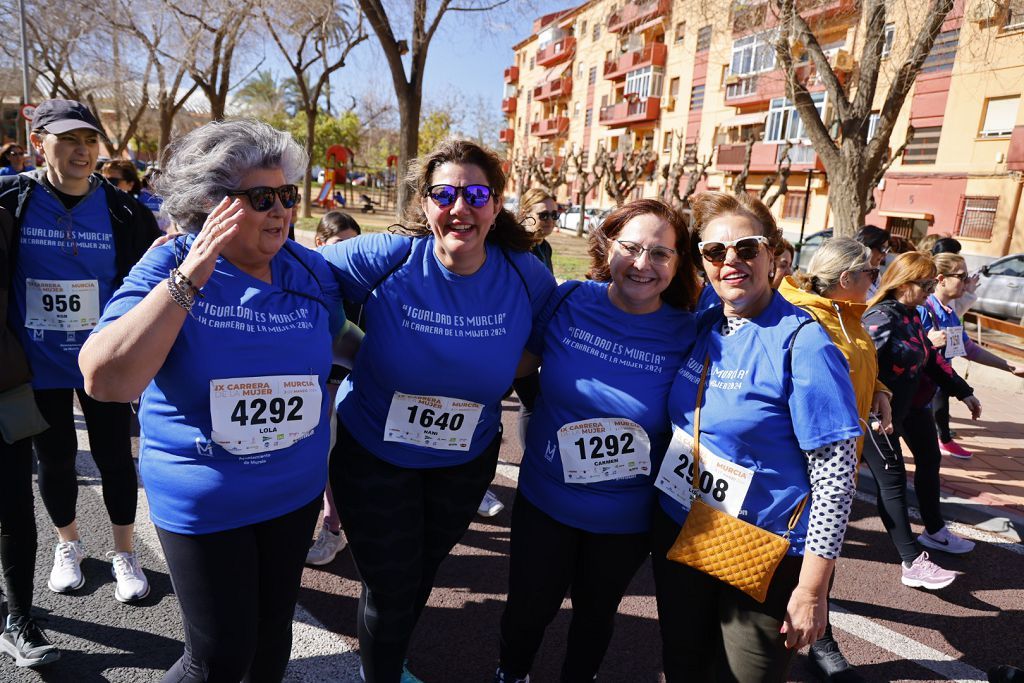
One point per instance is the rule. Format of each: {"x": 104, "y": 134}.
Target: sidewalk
{"x": 988, "y": 489}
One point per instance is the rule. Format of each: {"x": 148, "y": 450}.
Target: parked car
{"x": 570, "y": 219}
{"x": 1001, "y": 288}
{"x": 806, "y": 249}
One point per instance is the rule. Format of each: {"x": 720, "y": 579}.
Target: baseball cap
{"x": 60, "y": 116}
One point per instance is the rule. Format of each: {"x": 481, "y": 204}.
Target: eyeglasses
{"x": 659, "y": 256}
{"x": 873, "y": 272}
{"x": 262, "y": 198}
{"x": 962, "y": 277}
{"x": 926, "y": 285}
{"x": 444, "y": 196}
{"x": 548, "y": 215}
{"x": 14, "y": 153}
{"x": 746, "y": 248}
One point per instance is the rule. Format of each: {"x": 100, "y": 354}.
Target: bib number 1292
{"x": 605, "y": 447}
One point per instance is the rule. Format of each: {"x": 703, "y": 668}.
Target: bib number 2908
{"x": 716, "y": 487}
{"x": 255, "y": 411}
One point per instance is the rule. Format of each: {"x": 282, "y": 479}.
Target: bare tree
{"x": 409, "y": 86}
{"x": 305, "y": 32}
{"x": 673, "y": 172}
{"x": 549, "y": 172}
{"x": 626, "y": 171}
{"x": 852, "y": 162}
{"x": 521, "y": 167}
{"x": 739, "y": 186}
{"x": 586, "y": 179}
{"x": 780, "y": 181}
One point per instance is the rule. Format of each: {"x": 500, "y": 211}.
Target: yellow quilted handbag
{"x": 738, "y": 553}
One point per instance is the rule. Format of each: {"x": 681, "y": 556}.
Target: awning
{"x": 754, "y": 119}
{"x": 648, "y": 24}
{"x": 556, "y": 72}
{"x": 915, "y": 215}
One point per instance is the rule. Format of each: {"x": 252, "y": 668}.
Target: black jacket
{"x": 133, "y": 225}
{"x": 13, "y": 364}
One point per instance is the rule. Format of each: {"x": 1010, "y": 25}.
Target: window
{"x": 666, "y": 142}
{"x": 604, "y": 101}
{"x": 943, "y": 52}
{"x": 585, "y": 159}
{"x": 592, "y": 78}
{"x": 887, "y": 35}
{"x": 531, "y": 62}
{"x": 794, "y": 206}
{"x": 583, "y": 27}
{"x": 690, "y": 153}
{"x": 704, "y": 38}
{"x": 680, "y": 31}
{"x": 1014, "y": 267}
{"x": 979, "y": 215}
{"x": 1000, "y": 115}
{"x": 872, "y": 125}
{"x": 589, "y": 117}
{"x": 924, "y": 146}
{"x": 577, "y": 108}
{"x": 579, "y": 71}
{"x": 1014, "y": 15}
{"x": 645, "y": 82}
{"x": 697, "y": 98}
{"x": 673, "y": 87}
{"x": 597, "y": 31}
{"x": 752, "y": 54}
{"x": 784, "y": 122}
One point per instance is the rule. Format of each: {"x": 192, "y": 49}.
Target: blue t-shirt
{"x": 600, "y": 362}
{"x": 440, "y": 350}
{"x": 64, "y": 275}
{"x": 708, "y": 298}
{"x": 273, "y": 342}
{"x": 935, "y": 315}
{"x": 762, "y": 416}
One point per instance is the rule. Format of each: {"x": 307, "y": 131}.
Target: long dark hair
{"x": 507, "y": 232}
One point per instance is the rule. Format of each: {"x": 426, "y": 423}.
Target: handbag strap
{"x": 793, "y": 519}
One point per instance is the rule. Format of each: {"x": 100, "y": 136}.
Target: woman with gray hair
{"x": 234, "y": 428}
{"x": 833, "y": 291}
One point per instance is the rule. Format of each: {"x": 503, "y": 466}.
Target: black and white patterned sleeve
{"x": 832, "y": 470}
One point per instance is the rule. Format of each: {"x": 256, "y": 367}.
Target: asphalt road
{"x": 888, "y": 631}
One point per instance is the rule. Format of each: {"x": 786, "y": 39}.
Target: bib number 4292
{"x": 259, "y": 411}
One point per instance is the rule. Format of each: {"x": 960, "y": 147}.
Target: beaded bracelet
{"x": 181, "y": 289}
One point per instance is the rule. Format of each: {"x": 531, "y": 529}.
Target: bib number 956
{"x": 62, "y": 303}
{"x": 255, "y": 411}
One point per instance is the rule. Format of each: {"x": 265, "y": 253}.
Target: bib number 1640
{"x": 429, "y": 418}
{"x": 259, "y": 411}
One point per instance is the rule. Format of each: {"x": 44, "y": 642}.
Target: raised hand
{"x": 220, "y": 227}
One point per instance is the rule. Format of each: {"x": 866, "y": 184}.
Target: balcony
{"x": 508, "y": 105}
{"x": 506, "y": 135}
{"x": 1015, "y": 155}
{"x": 652, "y": 55}
{"x": 560, "y": 87}
{"x": 556, "y": 52}
{"x": 765, "y": 157}
{"x": 550, "y": 127}
{"x": 635, "y": 13}
{"x": 512, "y": 74}
{"x": 630, "y": 113}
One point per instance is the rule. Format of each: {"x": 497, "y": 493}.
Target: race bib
{"x": 723, "y": 484}
{"x": 955, "y": 341}
{"x": 65, "y": 305}
{"x": 602, "y": 449}
{"x": 446, "y": 424}
{"x": 259, "y": 414}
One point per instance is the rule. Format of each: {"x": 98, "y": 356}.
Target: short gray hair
{"x": 198, "y": 168}
{"x": 835, "y": 257}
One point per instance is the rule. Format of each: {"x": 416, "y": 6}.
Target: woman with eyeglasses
{"x": 833, "y": 291}
{"x": 609, "y": 348}
{"x": 450, "y": 302}
{"x": 226, "y": 332}
{"x": 14, "y": 160}
{"x": 77, "y": 238}
{"x": 122, "y": 174}
{"x": 778, "y": 430}
{"x": 947, "y": 333}
{"x": 911, "y": 368}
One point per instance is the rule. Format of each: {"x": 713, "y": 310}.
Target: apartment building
{"x": 698, "y": 79}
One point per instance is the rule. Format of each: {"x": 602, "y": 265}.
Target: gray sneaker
{"x": 23, "y": 640}
{"x": 924, "y": 573}
{"x": 327, "y": 545}
{"x": 490, "y": 505}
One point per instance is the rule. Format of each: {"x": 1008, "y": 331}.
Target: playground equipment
{"x": 339, "y": 158}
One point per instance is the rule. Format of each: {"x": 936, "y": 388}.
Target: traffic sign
{"x": 28, "y": 111}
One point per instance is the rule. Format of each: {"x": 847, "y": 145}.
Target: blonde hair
{"x": 946, "y": 263}
{"x": 707, "y": 206}
{"x": 530, "y": 199}
{"x": 908, "y": 267}
{"x": 835, "y": 257}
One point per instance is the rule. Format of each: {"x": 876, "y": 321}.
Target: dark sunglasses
{"x": 873, "y": 272}
{"x": 444, "y": 196}
{"x": 962, "y": 277}
{"x": 262, "y": 198}
{"x": 746, "y": 248}
{"x": 548, "y": 215}
{"x": 926, "y": 285}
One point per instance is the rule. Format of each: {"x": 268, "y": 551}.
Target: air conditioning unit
{"x": 985, "y": 11}
{"x": 670, "y": 104}
{"x": 843, "y": 61}
{"x": 732, "y": 79}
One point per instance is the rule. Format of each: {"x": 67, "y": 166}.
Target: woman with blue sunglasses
{"x": 450, "y": 303}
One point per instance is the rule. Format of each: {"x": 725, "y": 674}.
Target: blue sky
{"x": 467, "y": 56}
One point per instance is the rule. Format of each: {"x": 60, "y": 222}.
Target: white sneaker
{"x": 132, "y": 584}
{"x": 327, "y": 545}
{"x": 946, "y": 541}
{"x": 490, "y": 505}
{"x": 66, "y": 574}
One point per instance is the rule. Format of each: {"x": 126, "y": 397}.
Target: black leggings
{"x": 547, "y": 558}
{"x": 109, "y": 443}
{"x": 884, "y": 457}
{"x": 940, "y": 408}
{"x": 711, "y": 631}
{"x": 400, "y": 523}
{"x": 17, "y": 525}
{"x": 237, "y": 591}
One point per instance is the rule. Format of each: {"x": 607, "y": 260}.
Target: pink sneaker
{"x": 924, "y": 573}
{"x": 955, "y": 449}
